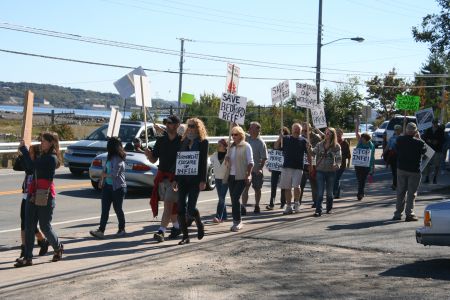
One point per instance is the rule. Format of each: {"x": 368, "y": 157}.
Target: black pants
{"x": 236, "y": 187}
{"x": 393, "y": 164}
{"x": 361, "y": 176}
{"x": 22, "y": 216}
{"x": 274, "y": 179}
{"x": 188, "y": 190}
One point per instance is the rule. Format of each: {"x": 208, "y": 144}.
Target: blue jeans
{"x": 325, "y": 180}
{"x": 116, "y": 198}
{"x": 44, "y": 215}
{"x": 190, "y": 190}
{"x": 222, "y": 189}
{"x": 337, "y": 182}
{"x": 236, "y": 189}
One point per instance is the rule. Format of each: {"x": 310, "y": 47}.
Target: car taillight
{"x": 97, "y": 163}
{"x": 139, "y": 167}
{"x": 427, "y": 218}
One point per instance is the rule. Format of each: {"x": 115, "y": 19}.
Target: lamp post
{"x": 320, "y": 45}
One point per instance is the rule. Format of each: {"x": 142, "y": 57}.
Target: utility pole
{"x": 180, "y": 81}
{"x": 319, "y": 50}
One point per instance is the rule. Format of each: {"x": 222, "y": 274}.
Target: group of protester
{"x": 309, "y": 155}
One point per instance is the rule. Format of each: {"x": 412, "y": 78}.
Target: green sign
{"x": 406, "y": 102}
{"x": 187, "y": 98}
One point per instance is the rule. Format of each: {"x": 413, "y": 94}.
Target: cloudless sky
{"x": 281, "y": 32}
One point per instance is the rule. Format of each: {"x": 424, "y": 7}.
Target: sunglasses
{"x": 192, "y": 126}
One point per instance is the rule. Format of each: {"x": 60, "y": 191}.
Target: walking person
{"x": 364, "y": 142}
{"x": 41, "y": 196}
{"x": 259, "y": 149}
{"x": 294, "y": 148}
{"x": 410, "y": 149}
{"x": 274, "y": 180}
{"x": 328, "y": 160}
{"x": 165, "y": 149}
{"x": 220, "y": 168}
{"x": 113, "y": 185}
{"x": 239, "y": 162}
{"x": 19, "y": 166}
{"x": 189, "y": 186}
{"x": 390, "y": 154}
{"x": 346, "y": 156}
{"x": 435, "y": 138}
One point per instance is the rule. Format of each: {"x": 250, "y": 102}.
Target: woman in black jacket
{"x": 189, "y": 184}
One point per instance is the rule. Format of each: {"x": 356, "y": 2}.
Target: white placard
{"x": 275, "y": 160}
{"x": 187, "y": 163}
{"x": 318, "y": 116}
{"x": 306, "y": 95}
{"x": 125, "y": 85}
{"x": 114, "y": 123}
{"x": 426, "y": 157}
{"x": 142, "y": 91}
{"x": 280, "y": 92}
{"x": 305, "y": 158}
{"x": 232, "y": 71}
{"x": 232, "y": 108}
{"x": 361, "y": 157}
{"x": 424, "y": 118}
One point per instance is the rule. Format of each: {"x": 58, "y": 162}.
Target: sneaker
{"x": 97, "y": 234}
{"x": 396, "y": 218}
{"x": 121, "y": 233}
{"x": 237, "y": 227}
{"x": 159, "y": 236}
{"x": 57, "y": 256}
{"x": 174, "y": 233}
{"x": 269, "y": 207}
{"x": 296, "y": 207}
{"x": 411, "y": 218}
{"x": 243, "y": 210}
{"x": 288, "y": 210}
{"x": 317, "y": 214}
{"x": 257, "y": 209}
{"x": 216, "y": 220}
{"x": 44, "y": 247}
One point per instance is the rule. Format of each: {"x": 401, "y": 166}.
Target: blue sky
{"x": 281, "y": 32}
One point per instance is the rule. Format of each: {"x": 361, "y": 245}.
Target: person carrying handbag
{"x": 41, "y": 196}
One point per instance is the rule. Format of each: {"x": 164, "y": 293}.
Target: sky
{"x": 282, "y": 33}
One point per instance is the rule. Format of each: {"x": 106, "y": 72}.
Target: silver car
{"x": 436, "y": 229}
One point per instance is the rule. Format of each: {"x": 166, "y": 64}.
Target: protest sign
{"x": 187, "y": 98}
{"x": 426, "y": 157}
{"x": 280, "y": 92}
{"x": 142, "y": 91}
{"x": 424, "y": 118}
{"x": 275, "y": 160}
{"x": 232, "y": 108}
{"x": 406, "y": 102}
{"x": 187, "y": 163}
{"x": 125, "y": 85}
{"x": 318, "y": 116}
{"x": 306, "y": 95}
{"x": 361, "y": 157}
{"x": 233, "y": 73}
{"x": 27, "y": 123}
{"x": 114, "y": 123}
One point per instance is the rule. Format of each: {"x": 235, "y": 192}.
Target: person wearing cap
{"x": 410, "y": 149}
{"x": 165, "y": 149}
{"x": 390, "y": 154}
{"x": 435, "y": 138}
{"x": 220, "y": 168}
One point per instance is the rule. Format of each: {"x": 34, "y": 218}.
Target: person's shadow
{"x": 434, "y": 269}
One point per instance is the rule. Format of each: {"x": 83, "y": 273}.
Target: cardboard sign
{"x": 280, "y": 92}
{"x": 406, "y": 102}
{"x": 233, "y": 73}
{"x": 114, "y": 123}
{"x": 232, "y": 108}
{"x": 361, "y": 157}
{"x": 142, "y": 91}
{"x": 187, "y": 163}
{"x": 125, "y": 85}
{"x": 318, "y": 116}
{"x": 306, "y": 95}
{"x": 424, "y": 118}
{"x": 187, "y": 98}
{"x": 426, "y": 157}
{"x": 27, "y": 123}
{"x": 275, "y": 160}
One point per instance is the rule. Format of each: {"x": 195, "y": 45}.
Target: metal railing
{"x": 12, "y": 147}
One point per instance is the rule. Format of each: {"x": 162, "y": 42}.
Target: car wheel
{"x": 76, "y": 172}
{"x": 210, "y": 180}
{"x": 95, "y": 185}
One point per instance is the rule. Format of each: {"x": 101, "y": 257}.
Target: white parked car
{"x": 436, "y": 229}
{"x": 378, "y": 135}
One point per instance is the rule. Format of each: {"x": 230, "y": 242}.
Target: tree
{"x": 435, "y": 29}
{"x": 382, "y": 92}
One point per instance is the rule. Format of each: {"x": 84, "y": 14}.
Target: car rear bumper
{"x": 426, "y": 238}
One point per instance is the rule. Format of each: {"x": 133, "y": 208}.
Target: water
{"x": 48, "y": 110}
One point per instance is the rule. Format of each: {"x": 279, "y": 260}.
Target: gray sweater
{"x": 117, "y": 172}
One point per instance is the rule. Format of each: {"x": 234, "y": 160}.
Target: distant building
{"x": 42, "y": 102}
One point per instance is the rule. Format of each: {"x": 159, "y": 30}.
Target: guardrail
{"x": 12, "y": 147}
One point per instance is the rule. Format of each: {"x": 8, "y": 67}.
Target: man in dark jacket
{"x": 435, "y": 138}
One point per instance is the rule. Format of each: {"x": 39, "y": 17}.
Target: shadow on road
{"x": 93, "y": 194}
{"x": 362, "y": 225}
{"x": 434, "y": 269}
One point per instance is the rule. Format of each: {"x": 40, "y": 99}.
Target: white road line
{"x": 112, "y": 215}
